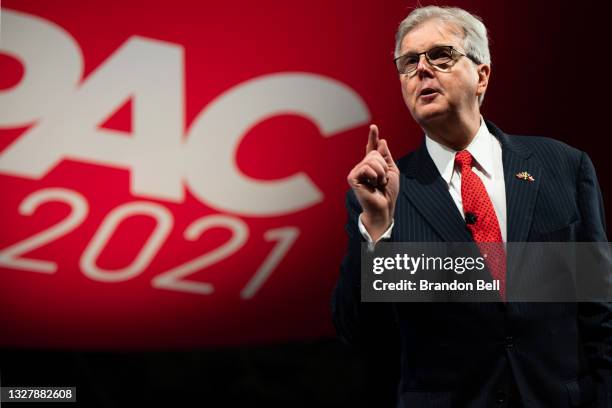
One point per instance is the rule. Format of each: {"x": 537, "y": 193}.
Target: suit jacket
{"x": 470, "y": 354}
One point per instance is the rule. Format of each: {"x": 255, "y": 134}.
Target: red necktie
{"x": 481, "y": 220}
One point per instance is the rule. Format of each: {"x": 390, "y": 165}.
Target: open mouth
{"x": 428, "y": 91}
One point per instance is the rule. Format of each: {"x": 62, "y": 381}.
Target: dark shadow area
{"x": 323, "y": 373}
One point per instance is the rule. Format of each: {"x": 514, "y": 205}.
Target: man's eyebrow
{"x": 444, "y": 44}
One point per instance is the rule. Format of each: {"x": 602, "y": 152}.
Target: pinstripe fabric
{"x": 466, "y": 354}
{"x": 425, "y": 196}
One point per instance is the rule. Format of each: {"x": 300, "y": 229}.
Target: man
{"x": 470, "y": 182}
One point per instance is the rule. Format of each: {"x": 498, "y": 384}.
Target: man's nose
{"x": 423, "y": 67}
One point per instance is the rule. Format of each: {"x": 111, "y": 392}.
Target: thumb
{"x": 372, "y": 139}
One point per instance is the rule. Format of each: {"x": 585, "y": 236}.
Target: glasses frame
{"x": 453, "y": 52}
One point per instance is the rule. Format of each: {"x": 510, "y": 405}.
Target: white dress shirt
{"x": 487, "y": 164}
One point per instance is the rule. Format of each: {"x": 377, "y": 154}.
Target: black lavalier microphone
{"x": 470, "y": 218}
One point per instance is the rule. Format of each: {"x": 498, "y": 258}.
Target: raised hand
{"x": 375, "y": 181}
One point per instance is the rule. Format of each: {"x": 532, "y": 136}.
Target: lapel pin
{"x": 523, "y": 175}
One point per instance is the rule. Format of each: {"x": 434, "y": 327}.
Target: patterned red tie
{"x": 481, "y": 220}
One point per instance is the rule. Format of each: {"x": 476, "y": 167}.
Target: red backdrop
{"x": 173, "y": 174}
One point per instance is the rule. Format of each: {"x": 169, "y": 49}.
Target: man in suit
{"x": 462, "y": 185}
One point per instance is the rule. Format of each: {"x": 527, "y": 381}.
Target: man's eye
{"x": 440, "y": 54}
{"x": 411, "y": 60}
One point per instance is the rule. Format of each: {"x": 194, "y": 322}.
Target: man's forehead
{"x": 430, "y": 34}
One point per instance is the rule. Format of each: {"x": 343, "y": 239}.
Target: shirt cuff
{"x": 368, "y": 238}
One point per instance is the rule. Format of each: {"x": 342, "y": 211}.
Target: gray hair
{"x": 475, "y": 40}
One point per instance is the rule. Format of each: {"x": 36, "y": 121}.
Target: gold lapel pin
{"x": 523, "y": 175}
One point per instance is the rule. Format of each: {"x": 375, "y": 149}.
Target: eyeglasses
{"x": 441, "y": 57}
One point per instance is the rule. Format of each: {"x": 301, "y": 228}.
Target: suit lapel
{"x": 520, "y": 194}
{"x": 521, "y": 198}
{"x": 422, "y": 185}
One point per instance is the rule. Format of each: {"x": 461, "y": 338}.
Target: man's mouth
{"x": 428, "y": 91}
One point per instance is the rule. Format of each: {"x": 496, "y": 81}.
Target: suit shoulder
{"x": 406, "y": 160}
{"x": 547, "y": 148}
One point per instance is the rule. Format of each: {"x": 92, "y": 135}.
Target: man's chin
{"x": 430, "y": 113}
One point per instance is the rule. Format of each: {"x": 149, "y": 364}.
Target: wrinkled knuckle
{"x": 370, "y": 163}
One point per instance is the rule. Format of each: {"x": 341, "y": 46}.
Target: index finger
{"x": 372, "y": 139}
{"x": 383, "y": 149}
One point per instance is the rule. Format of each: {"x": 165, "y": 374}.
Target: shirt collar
{"x": 481, "y": 149}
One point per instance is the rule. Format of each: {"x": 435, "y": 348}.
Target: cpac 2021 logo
{"x": 64, "y": 110}
{"x": 161, "y": 159}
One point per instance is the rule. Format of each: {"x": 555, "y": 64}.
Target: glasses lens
{"x": 440, "y": 55}
{"x": 407, "y": 63}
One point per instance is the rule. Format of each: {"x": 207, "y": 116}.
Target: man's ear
{"x": 484, "y": 72}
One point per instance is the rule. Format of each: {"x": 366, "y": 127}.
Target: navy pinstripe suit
{"x": 472, "y": 354}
